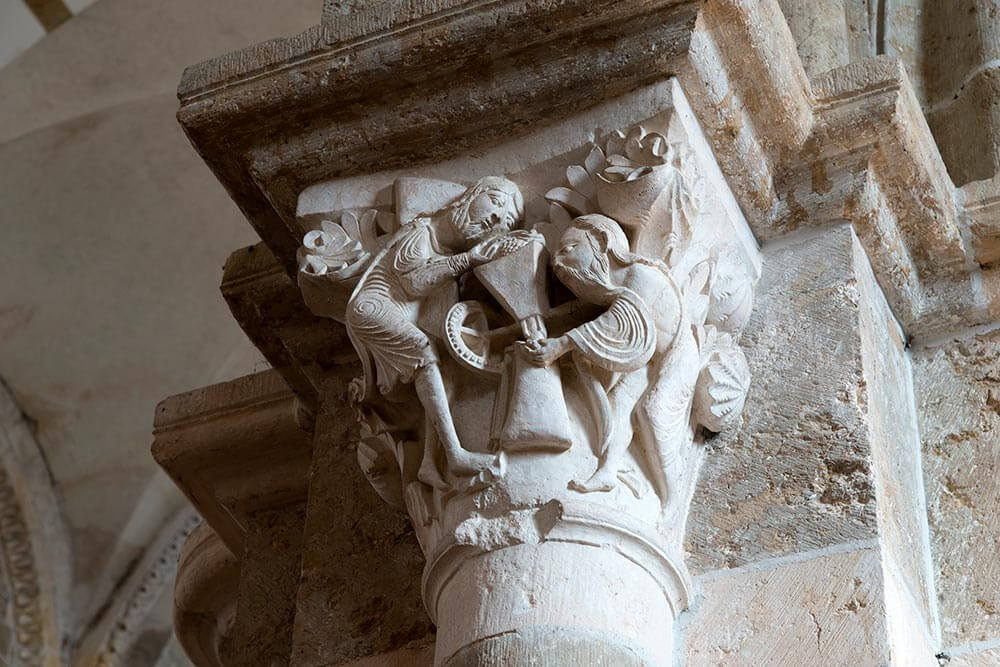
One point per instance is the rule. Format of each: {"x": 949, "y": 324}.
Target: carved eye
{"x": 495, "y": 199}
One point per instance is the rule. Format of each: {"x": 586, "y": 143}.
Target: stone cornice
{"x": 268, "y": 306}
{"x": 851, "y": 144}
{"x": 863, "y": 153}
{"x": 234, "y": 447}
{"x": 423, "y": 92}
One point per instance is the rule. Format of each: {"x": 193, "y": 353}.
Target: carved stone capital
{"x": 541, "y": 374}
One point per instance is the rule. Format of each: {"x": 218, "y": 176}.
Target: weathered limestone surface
{"x": 974, "y": 658}
{"x": 360, "y": 574}
{"x": 896, "y": 466}
{"x": 832, "y": 33}
{"x": 797, "y": 475}
{"x": 806, "y": 472}
{"x": 407, "y": 657}
{"x": 261, "y": 633}
{"x": 821, "y": 32}
{"x": 823, "y": 610}
{"x": 957, "y": 385}
{"x": 961, "y": 43}
{"x": 982, "y": 205}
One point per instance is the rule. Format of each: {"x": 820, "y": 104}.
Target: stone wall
{"x": 957, "y": 385}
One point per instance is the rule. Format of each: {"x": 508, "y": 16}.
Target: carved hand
{"x": 544, "y": 352}
{"x": 499, "y": 246}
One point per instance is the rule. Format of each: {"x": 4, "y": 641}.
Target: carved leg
{"x": 461, "y": 462}
{"x": 623, "y": 399}
{"x": 428, "y": 472}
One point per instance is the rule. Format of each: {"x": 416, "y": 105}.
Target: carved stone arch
{"x": 35, "y": 566}
{"x": 128, "y": 616}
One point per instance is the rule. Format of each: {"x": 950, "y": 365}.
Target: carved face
{"x": 489, "y": 212}
{"x": 581, "y": 264}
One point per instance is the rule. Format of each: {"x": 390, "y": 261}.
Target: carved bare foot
{"x": 430, "y": 475}
{"x": 602, "y": 480}
{"x": 471, "y": 464}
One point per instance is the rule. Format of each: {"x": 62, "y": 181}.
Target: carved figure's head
{"x": 492, "y": 205}
{"x": 586, "y": 250}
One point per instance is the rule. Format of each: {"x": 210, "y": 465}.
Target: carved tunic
{"x": 641, "y": 321}
{"x": 382, "y": 314}
{"x": 621, "y": 339}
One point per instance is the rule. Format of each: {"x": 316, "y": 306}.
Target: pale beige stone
{"x": 896, "y": 470}
{"x": 972, "y": 658}
{"x": 94, "y": 388}
{"x": 854, "y": 474}
{"x": 828, "y": 449}
{"x": 826, "y": 610}
{"x": 982, "y": 204}
{"x": 120, "y": 51}
{"x": 957, "y": 386}
{"x": 821, "y": 32}
{"x": 797, "y": 474}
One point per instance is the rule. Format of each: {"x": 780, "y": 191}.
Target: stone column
{"x": 514, "y": 276}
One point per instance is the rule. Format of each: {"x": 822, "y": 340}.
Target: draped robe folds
{"x": 384, "y": 311}
{"x": 639, "y": 350}
{"x": 621, "y": 339}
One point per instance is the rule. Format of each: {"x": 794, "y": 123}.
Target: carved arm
{"x": 435, "y": 272}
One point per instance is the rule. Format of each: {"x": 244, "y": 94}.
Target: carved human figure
{"x": 639, "y": 356}
{"x": 424, "y": 255}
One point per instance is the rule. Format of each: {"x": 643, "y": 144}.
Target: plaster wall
{"x": 114, "y": 235}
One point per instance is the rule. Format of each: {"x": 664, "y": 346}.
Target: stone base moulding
{"x": 570, "y": 580}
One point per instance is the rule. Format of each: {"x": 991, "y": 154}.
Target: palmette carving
{"x": 485, "y": 387}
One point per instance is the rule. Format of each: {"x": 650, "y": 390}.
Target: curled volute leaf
{"x": 332, "y": 259}
{"x": 338, "y": 250}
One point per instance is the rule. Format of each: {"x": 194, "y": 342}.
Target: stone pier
{"x": 601, "y": 333}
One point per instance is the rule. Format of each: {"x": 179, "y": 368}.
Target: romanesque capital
{"x": 537, "y": 392}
